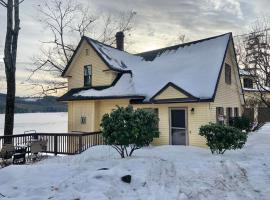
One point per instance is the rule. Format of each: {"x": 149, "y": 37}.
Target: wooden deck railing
{"x": 59, "y": 143}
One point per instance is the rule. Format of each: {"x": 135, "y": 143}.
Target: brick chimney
{"x": 120, "y": 40}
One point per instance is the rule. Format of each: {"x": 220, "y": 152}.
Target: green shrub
{"x": 242, "y": 123}
{"x": 221, "y": 137}
{"x": 126, "y": 129}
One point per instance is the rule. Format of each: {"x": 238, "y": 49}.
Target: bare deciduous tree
{"x": 253, "y": 52}
{"x": 10, "y": 55}
{"x": 67, "y": 21}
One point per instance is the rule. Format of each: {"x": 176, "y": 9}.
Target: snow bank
{"x": 163, "y": 172}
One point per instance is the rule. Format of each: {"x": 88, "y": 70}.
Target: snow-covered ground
{"x": 41, "y": 122}
{"x": 163, "y": 172}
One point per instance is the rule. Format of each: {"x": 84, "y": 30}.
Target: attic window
{"x": 248, "y": 83}
{"x": 86, "y": 52}
{"x": 87, "y": 75}
{"x": 228, "y": 74}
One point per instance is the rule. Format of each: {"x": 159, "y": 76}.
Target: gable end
{"x": 221, "y": 67}
{"x": 76, "y": 51}
{"x": 172, "y": 91}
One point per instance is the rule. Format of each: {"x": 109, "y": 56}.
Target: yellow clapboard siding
{"x": 194, "y": 121}
{"x": 228, "y": 95}
{"x": 78, "y": 109}
{"x": 99, "y": 76}
{"x": 170, "y": 93}
{"x": 102, "y": 107}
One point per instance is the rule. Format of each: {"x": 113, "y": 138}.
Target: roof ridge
{"x": 185, "y": 44}
{"x": 164, "y": 48}
{"x": 89, "y": 38}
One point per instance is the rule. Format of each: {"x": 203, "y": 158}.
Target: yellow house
{"x": 187, "y": 85}
{"x": 251, "y": 90}
{"x": 253, "y": 95}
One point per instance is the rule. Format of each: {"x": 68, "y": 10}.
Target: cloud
{"x": 158, "y": 23}
{"x": 229, "y": 6}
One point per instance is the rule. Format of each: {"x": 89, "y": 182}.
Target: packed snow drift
{"x": 162, "y": 172}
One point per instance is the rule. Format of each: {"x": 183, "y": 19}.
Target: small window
{"x": 220, "y": 115}
{"x": 228, "y": 76}
{"x": 86, "y": 52}
{"x": 83, "y": 120}
{"x": 228, "y": 115}
{"x": 88, "y": 75}
{"x": 236, "y": 112}
{"x": 248, "y": 83}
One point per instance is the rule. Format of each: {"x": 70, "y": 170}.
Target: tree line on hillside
{"x": 30, "y": 105}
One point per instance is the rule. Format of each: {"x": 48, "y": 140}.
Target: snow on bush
{"x": 221, "y": 137}
{"x": 127, "y": 130}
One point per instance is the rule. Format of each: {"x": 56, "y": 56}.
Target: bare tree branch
{"x": 3, "y": 3}
{"x": 253, "y": 52}
{"x": 67, "y": 21}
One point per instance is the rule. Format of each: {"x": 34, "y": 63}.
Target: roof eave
{"x": 71, "y": 59}
{"x": 175, "y": 100}
{"x": 221, "y": 67}
{"x": 80, "y": 98}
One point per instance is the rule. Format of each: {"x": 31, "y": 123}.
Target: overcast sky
{"x": 157, "y": 24}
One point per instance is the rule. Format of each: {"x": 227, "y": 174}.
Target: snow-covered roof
{"x": 115, "y": 58}
{"x": 257, "y": 88}
{"x": 244, "y": 72}
{"x": 124, "y": 87}
{"x": 194, "y": 67}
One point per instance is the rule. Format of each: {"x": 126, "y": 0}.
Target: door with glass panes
{"x": 178, "y": 127}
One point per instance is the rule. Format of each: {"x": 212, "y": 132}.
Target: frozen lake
{"x": 41, "y": 122}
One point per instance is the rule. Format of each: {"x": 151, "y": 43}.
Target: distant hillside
{"x": 29, "y": 105}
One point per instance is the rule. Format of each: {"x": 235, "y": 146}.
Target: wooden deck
{"x": 59, "y": 143}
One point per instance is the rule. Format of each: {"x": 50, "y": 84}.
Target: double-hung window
{"x": 87, "y": 75}
{"x": 248, "y": 83}
{"x": 220, "y": 115}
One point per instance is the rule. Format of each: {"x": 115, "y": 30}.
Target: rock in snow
{"x": 126, "y": 178}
